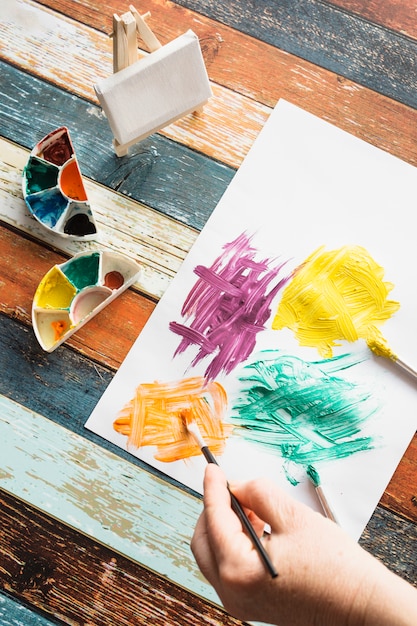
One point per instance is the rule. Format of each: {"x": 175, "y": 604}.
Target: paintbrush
{"x": 381, "y": 348}
{"x": 236, "y": 506}
{"x": 314, "y": 476}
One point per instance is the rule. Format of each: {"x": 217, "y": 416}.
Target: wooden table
{"x": 87, "y": 534}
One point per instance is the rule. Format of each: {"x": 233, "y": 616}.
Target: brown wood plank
{"x": 399, "y": 15}
{"x": 76, "y": 580}
{"x": 401, "y": 493}
{"x": 234, "y": 60}
{"x": 24, "y": 263}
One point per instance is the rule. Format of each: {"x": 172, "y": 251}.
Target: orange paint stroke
{"x": 336, "y": 295}
{"x": 158, "y": 413}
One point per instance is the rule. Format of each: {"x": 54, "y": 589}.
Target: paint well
{"x": 54, "y": 291}
{"x": 40, "y": 175}
{"x": 86, "y": 301}
{"x": 59, "y": 150}
{"x": 71, "y": 182}
{"x": 48, "y": 207}
{"x": 83, "y": 271}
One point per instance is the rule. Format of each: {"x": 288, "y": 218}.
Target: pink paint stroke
{"x": 229, "y": 305}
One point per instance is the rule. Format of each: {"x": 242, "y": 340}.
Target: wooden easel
{"x": 125, "y": 30}
{"x": 143, "y": 96}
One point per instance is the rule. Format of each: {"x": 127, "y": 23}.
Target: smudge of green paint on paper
{"x": 303, "y": 410}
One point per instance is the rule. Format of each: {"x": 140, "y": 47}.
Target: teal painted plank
{"x": 99, "y": 494}
{"x": 371, "y": 55}
{"x": 162, "y": 174}
{"x": 13, "y": 613}
{"x": 62, "y": 386}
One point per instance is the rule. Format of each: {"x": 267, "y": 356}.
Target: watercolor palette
{"x": 71, "y": 293}
{"x": 53, "y": 188}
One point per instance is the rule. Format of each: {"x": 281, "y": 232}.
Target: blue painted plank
{"x": 100, "y": 495}
{"x": 13, "y": 613}
{"x": 162, "y": 174}
{"x": 369, "y": 54}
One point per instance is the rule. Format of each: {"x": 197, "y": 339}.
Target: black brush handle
{"x": 237, "y": 508}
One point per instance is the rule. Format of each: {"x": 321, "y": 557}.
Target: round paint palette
{"x": 53, "y": 188}
{"x": 70, "y": 294}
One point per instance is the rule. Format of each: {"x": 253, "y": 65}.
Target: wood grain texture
{"x": 42, "y": 375}
{"x": 107, "y": 337}
{"x": 98, "y": 493}
{"x": 233, "y": 61}
{"x": 382, "y": 60}
{"x": 80, "y": 582}
{"x": 176, "y": 181}
{"x": 395, "y": 529}
{"x": 14, "y": 613}
{"x": 399, "y": 15}
{"x": 158, "y": 243}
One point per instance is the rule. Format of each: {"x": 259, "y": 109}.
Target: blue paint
{"x": 47, "y": 206}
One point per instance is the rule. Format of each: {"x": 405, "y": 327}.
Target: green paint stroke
{"x": 301, "y": 409}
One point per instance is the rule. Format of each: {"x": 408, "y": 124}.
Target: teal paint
{"x": 302, "y": 410}
{"x": 83, "y": 271}
{"x": 40, "y": 175}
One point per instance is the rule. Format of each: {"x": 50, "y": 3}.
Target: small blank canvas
{"x": 155, "y": 91}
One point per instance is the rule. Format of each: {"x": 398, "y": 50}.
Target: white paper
{"x": 303, "y": 185}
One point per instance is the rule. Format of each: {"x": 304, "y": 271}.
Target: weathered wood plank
{"x": 78, "y": 581}
{"x": 105, "y": 497}
{"x": 157, "y": 242}
{"x": 159, "y": 173}
{"x": 41, "y": 377}
{"x": 107, "y": 338}
{"x": 401, "y": 493}
{"x": 14, "y": 613}
{"x": 233, "y": 61}
{"x": 75, "y": 57}
{"x": 380, "y": 59}
{"x": 397, "y": 531}
{"x": 399, "y": 15}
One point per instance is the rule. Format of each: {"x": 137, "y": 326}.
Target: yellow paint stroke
{"x": 336, "y": 295}
{"x": 158, "y": 413}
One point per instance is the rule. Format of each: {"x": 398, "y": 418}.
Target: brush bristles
{"x": 194, "y": 431}
{"x": 313, "y": 474}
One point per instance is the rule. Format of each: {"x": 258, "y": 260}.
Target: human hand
{"x": 325, "y": 578}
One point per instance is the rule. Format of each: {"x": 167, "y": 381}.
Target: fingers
{"x": 271, "y": 504}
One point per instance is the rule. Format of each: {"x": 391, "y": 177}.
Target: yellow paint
{"x": 380, "y": 347}
{"x": 334, "y": 296}
{"x": 158, "y": 413}
{"x": 54, "y": 291}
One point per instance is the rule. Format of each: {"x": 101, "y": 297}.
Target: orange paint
{"x": 71, "y": 182}
{"x": 158, "y": 413}
{"x": 60, "y": 327}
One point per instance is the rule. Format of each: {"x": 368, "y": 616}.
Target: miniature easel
{"x": 142, "y": 96}
{"x": 125, "y": 29}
